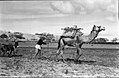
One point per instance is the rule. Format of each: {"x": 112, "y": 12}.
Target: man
{"x": 38, "y": 47}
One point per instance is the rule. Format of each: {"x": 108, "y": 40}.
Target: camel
{"x": 77, "y": 41}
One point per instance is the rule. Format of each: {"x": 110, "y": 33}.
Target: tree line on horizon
{"x": 50, "y": 37}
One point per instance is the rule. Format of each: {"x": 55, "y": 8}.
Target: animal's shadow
{"x": 16, "y": 55}
{"x": 12, "y": 56}
{"x": 78, "y": 61}
{"x": 71, "y": 60}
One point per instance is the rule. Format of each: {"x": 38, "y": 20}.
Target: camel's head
{"x": 98, "y": 28}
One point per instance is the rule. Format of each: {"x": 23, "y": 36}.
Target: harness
{"x": 73, "y": 34}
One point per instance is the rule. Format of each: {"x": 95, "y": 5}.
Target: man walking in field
{"x": 38, "y": 47}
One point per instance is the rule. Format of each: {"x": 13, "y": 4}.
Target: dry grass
{"x": 94, "y": 63}
{"x": 45, "y": 68}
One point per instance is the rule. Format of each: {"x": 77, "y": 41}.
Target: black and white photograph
{"x": 59, "y": 38}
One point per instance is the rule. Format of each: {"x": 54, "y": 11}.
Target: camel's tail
{"x": 59, "y": 42}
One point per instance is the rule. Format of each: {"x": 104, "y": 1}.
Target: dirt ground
{"x": 94, "y": 63}
{"x": 22, "y": 67}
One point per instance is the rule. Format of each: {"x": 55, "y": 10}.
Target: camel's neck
{"x": 93, "y": 35}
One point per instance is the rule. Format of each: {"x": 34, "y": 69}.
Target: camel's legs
{"x": 10, "y": 52}
{"x": 62, "y": 55}
{"x": 15, "y": 51}
{"x": 59, "y": 52}
{"x": 79, "y": 52}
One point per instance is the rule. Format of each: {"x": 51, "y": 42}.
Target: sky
{"x": 52, "y": 15}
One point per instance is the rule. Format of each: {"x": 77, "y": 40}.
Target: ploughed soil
{"x": 93, "y": 63}
{"x": 27, "y": 67}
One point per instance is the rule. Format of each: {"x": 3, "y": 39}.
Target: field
{"x": 103, "y": 57}
{"x": 94, "y": 62}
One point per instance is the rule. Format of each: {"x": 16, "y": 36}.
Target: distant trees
{"x": 3, "y": 36}
{"x": 104, "y": 40}
{"x": 15, "y": 35}
{"x": 114, "y": 40}
{"x": 18, "y": 35}
{"x": 11, "y": 36}
{"x": 49, "y": 37}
